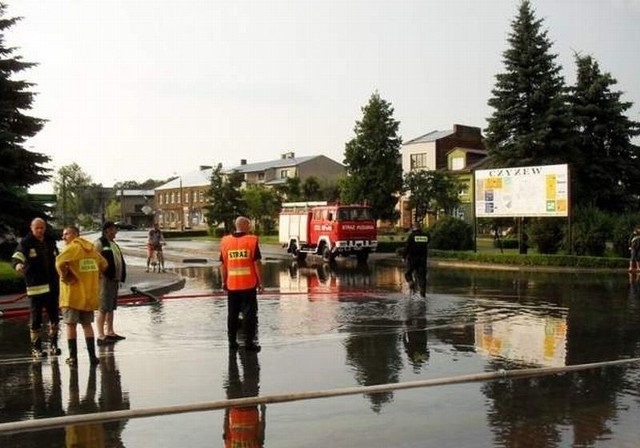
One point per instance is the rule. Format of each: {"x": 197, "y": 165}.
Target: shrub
{"x": 547, "y": 234}
{"x": 621, "y": 228}
{"x": 505, "y": 243}
{"x": 590, "y": 231}
{"x": 451, "y": 234}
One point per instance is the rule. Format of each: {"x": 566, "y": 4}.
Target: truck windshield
{"x": 355, "y": 214}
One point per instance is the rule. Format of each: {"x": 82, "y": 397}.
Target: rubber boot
{"x": 53, "y": 343}
{"x": 36, "y": 344}
{"x": 91, "y": 349}
{"x": 72, "y": 360}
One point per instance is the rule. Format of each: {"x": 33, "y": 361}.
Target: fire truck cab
{"x": 327, "y": 230}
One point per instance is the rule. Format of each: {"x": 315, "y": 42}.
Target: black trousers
{"x": 47, "y": 301}
{"x": 419, "y": 267}
{"x": 245, "y": 302}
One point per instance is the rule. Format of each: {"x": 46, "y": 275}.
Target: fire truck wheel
{"x": 300, "y": 256}
{"x": 327, "y": 255}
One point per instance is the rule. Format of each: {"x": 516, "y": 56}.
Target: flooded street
{"x": 324, "y": 328}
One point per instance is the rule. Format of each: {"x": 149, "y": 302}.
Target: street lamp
{"x": 181, "y": 207}
{"x": 64, "y": 199}
{"x": 122, "y": 204}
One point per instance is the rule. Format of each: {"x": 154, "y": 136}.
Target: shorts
{"x": 151, "y": 248}
{"x": 108, "y": 294}
{"x": 72, "y": 316}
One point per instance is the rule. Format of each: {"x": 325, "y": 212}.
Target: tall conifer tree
{"x": 19, "y": 168}
{"x": 374, "y": 173}
{"x": 607, "y": 173}
{"x": 530, "y": 124}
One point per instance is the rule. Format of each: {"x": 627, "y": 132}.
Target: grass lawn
{"x": 6, "y": 270}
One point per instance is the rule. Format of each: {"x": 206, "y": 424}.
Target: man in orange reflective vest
{"x": 241, "y": 270}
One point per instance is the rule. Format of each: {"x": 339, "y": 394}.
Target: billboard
{"x": 522, "y": 191}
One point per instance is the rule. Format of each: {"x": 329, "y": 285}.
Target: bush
{"x": 451, "y": 234}
{"x": 8, "y": 245}
{"x": 547, "y": 234}
{"x": 505, "y": 243}
{"x": 622, "y": 227}
{"x": 590, "y": 231}
{"x": 533, "y": 260}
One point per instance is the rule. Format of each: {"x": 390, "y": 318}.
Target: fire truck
{"x": 327, "y": 230}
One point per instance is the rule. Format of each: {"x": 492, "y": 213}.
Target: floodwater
{"x": 324, "y": 328}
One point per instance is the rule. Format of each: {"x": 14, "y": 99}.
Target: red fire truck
{"x": 327, "y": 230}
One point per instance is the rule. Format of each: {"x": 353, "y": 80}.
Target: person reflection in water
{"x": 415, "y": 338}
{"x": 244, "y": 426}
{"x": 86, "y": 434}
{"x": 633, "y": 286}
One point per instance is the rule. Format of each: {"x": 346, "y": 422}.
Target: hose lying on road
{"x": 99, "y": 417}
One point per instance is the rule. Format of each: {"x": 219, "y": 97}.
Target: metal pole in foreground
{"x": 58, "y": 422}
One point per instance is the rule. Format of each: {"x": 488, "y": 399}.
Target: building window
{"x": 457, "y": 163}
{"x": 261, "y": 176}
{"x": 200, "y": 196}
{"x": 172, "y": 197}
{"x": 418, "y": 161}
{"x": 284, "y": 174}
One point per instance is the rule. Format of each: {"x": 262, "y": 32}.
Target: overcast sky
{"x": 139, "y": 89}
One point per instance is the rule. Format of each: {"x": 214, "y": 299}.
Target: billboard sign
{"x": 522, "y": 191}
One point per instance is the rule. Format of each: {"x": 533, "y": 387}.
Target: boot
{"x": 72, "y": 360}
{"x": 36, "y": 345}
{"x": 91, "y": 349}
{"x": 53, "y": 344}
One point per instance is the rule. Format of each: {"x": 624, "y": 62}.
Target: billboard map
{"x": 522, "y": 191}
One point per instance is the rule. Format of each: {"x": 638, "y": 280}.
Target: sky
{"x": 140, "y": 89}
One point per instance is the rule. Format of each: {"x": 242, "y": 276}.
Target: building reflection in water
{"x": 243, "y": 426}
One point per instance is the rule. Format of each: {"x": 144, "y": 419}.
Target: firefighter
{"x": 35, "y": 259}
{"x": 241, "y": 271}
{"x": 415, "y": 259}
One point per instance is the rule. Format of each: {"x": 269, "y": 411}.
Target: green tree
{"x": 607, "y": 173}
{"x": 70, "y": 184}
{"x": 263, "y": 205}
{"x": 20, "y": 168}
{"x": 530, "y": 124}
{"x": 291, "y": 190}
{"x": 432, "y": 192}
{"x": 311, "y": 189}
{"x": 224, "y": 199}
{"x": 372, "y": 157}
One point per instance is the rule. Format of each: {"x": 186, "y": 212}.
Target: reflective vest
{"x": 238, "y": 257}
{"x": 244, "y": 428}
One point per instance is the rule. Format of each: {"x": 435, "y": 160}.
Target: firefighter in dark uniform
{"x": 35, "y": 259}
{"x": 241, "y": 271}
{"x": 415, "y": 259}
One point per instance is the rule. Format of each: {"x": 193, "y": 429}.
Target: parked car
{"x": 125, "y": 226}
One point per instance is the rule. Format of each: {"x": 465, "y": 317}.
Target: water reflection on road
{"x": 325, "y": 327}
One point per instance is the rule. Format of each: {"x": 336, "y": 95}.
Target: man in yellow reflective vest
{"x": 241, "y": 278}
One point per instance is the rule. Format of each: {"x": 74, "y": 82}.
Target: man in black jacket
{"x": 110, "y": 280}
{"x": 415, "y": 259}
{"x": 34, "y": 259}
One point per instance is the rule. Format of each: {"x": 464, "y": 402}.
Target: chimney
{"x": 288, "y": 155}
{"x": 243, "y": 161}
{"x": 205, "y": 167}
